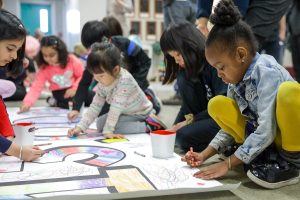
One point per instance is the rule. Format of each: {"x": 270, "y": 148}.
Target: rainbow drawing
{"x": 97, "y": 156}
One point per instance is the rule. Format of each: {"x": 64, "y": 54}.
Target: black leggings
{"x": 60, "y": 100}
{"x": 197, "y": 134}
{"x": 64, "y": 103}
{"x": 295, "y": 44}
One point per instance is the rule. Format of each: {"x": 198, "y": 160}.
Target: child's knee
{"x": 287, "y": 92}
{"x": 216, "y": 105}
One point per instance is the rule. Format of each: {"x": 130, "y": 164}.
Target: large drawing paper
{"x": 86, "y": 166}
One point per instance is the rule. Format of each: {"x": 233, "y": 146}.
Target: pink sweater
{"x": 57, "y": 77}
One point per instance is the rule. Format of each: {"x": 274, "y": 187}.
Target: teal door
{"x": 31, "y": 16}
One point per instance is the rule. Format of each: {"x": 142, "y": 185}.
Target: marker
{"x": 137, "y": 153}
{"x": 192, "y": 159}
{"x": 45, "y": 144}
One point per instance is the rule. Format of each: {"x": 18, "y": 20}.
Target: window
{"x": 44, "y": 20}
{"x": 158, "y": 7}
{"x": 144, "y": 6}
{"x": 151, "y": 28}
{"x": 136, "y": 27}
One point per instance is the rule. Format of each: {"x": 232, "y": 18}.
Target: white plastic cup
{"x": 162, "y": 142}
{"x": 24, "y": 133}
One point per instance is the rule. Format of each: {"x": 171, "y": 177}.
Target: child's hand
{"x": 73, "y": 115}
{"x": 74, "y": 131}
{"x": 26, "y": 153}
{"x": 178, "y": 126}
{"x": 112, "y": 135}
{"x": 30, "y": 153}
{"x": 24, "y": 108}
{"x": 192, "y": 158}
{"x": 213, "y": 171}
{"x": 70, "y": 93}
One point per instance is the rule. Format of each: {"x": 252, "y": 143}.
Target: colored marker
{"x": 192, "y": 159}
{"x": 137, "y": 153}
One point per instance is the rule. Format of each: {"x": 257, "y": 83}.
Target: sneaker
{"x": 51, "y": 101}
{"x": 174, "y": 100}
{"x": 153, "y": 123}
{"x": 156, "y": 102}
{"x": 273, "y": 176}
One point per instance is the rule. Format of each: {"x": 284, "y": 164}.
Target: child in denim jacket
{"x": 260, "y": 112}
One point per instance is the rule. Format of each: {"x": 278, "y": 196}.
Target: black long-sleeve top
{"x": 208, "y": 86}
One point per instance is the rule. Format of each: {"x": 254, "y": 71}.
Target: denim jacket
{"x": 255, "y": 96}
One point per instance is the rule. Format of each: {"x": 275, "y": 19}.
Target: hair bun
{"x": 225, "y": 14}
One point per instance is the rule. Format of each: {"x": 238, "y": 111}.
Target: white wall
{"x": 92, "y": 10}
{"x": 12, "y": 6}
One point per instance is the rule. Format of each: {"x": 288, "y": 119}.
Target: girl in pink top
{"x": 62, "y": 70}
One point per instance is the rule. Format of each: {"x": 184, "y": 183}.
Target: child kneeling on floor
{"x": 260, "y": 112}
{"x": 130, "y": 110}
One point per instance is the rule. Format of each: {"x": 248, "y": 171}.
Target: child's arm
{"x": 6, "y": 129}
{"x": 26, "y": 153}
{"x": 267, "y": 84}
{"x": 36, "y": 89}
{"x": 4, "y": 144}
{"x": 221, "y": 141}
{"x": 92, "y": 112}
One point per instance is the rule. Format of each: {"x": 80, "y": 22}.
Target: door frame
{"x": 44, "y": 2}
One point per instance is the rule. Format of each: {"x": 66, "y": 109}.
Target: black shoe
{"x": 153, "y": 123}
{"x": 51, "y": 101}
{"x": 154, "y": 100}
{"x": 273, "y": 176}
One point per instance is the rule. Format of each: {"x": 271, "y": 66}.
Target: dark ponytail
{"x": 225, "y": 13}
{"x": 229, "y": 29}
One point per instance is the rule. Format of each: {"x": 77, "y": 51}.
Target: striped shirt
{"x": 124, "y": 96}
